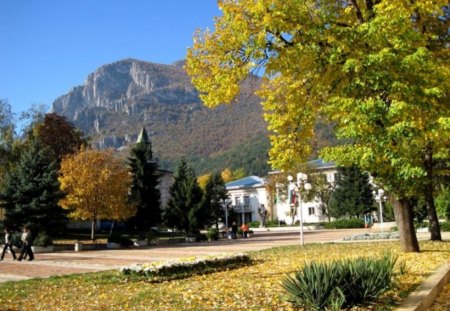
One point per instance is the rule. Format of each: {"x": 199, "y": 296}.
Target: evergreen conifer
{"x": 353, "y": 193}
{"x": 31, "y": 192}
{"x": 144, "y": 189}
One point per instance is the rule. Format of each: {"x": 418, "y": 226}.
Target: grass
{"x": 255, "y": 287}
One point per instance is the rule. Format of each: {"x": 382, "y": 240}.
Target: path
{"x": 70, "y": 262}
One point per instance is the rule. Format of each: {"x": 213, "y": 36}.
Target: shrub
{"x": 319, "y": 286}
{"x": 213, "y": 234}
{"x": 445, "y": 226}
{"x": 42, "y": 239}
{"x": 254, "y": 224}
{"x": 345, "y": 223}
{"x": 117, "y": 238}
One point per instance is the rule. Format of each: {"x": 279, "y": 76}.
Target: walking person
{"x": 234, "y": 230}
{"x": 26, "y": 244}
{"x": 8, "y": 244}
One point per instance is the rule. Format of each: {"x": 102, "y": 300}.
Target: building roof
{"x": 247, "y": 182}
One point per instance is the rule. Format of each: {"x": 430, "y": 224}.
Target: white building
{"x": 251, "y": 193}
{"x": 311, "y": 211}
{"x": 247, "y": 196}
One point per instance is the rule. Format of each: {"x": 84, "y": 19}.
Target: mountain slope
{"x": 118, "y": 99}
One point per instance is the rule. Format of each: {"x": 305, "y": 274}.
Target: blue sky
{"x": 50, "y": 46}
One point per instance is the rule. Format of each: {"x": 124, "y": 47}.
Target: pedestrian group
{"x": 26, "y": 240}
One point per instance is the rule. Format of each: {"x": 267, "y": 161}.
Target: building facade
{"x": 252, "y": 194}
{"x": 249, "y": 197}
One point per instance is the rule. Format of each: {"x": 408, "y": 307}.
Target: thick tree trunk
{"x": 404, "y": 218}
{"x": 435, "y": 229}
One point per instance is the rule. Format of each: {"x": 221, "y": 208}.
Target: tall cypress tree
{"x": 185, "y": 205}
{"x": 353, "y": 193}
{"x": 144, "y": 191}
{"x": 32, "y": 192}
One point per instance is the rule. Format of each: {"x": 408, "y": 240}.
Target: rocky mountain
{"x": 118, "y": 99}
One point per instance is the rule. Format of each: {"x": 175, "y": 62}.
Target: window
{"x": 246, "y": 200}
{"x": 311, "y": 211}
{"x": 237, "y": 201}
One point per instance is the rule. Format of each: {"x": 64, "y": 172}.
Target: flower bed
{"x": 185, "y": 267}
{"x": 373, "y": 236}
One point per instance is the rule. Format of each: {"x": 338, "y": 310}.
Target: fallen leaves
{"x": 254, "y": 287}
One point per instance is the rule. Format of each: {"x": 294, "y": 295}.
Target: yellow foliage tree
{"x": 97, "y": 185}
{"x": 203, "y": 180}
{"x": 375, "y": 70}
{"x": 227, "y": 175}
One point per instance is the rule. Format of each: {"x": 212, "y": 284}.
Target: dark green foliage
{"x": 120, "y": 239}
{"x": 214, "y": 197}
{"x": 445, "y": 226}
{"x": 344, "y": 223}
{"x": 352, "y": 195}
{"x": 213, "y": 234}
{"x": 185, "y": 205}
{"x": 144, "y": 192}
{"x": 443, "y": 202}
{"x": 42, "y": 239}
{"x": 31, "y": 192}
{"x": 319, "y": 286}
{"x": 251, "y": 156}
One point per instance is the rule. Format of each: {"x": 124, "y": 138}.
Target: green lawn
{"x": 253, "y": 287}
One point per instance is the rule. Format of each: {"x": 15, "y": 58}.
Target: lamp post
{"x": 278, "y": 186}
{"x": 225, "y": 204}
{"x": 301, "y": 184}
{"x": 380, "y": 198}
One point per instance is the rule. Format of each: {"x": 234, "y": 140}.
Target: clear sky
{"x": 49, "y": 46}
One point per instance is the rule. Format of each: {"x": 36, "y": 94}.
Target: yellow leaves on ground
{"x": 255, "y": 287}
{"x": 96, "y": 184}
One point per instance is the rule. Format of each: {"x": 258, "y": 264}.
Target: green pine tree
{"x": 214, "y": 197}
{"x": 144, "y": 189}
{"x": 353, "y": 193}
{"x": 184, "y": 208}
{"x": 31, "y": 192}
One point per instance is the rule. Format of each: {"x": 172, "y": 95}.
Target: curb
{"x": 423, "y": 297}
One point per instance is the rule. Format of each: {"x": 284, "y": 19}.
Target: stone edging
{"x": 423, "y": 297}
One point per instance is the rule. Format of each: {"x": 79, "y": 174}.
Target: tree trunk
{"x": 93, "y": 230}
{"x": 404, "y": 218}
{"x": 112, "y": 227}
{"x": 435, "y": 229}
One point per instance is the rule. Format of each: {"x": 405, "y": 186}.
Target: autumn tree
{"x": 184, "y": 207}
{"x": 58, "y": 135}
{"x": 31, "y": 191}
{"x": 96, "y": 186}
{"x": 6, "y": 138}
{"x": 203, "y": 180}
{"x": 144, "y": 187}
{"x": 377, "y": 70}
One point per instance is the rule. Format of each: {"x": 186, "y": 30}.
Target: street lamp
{"x": 380, "y": 198}
{"x": 301, "y": 184}
{"x": 278, "y": 186}
{"x": 225, "y": 204}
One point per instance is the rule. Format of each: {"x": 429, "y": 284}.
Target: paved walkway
{"x": 70, "y": 262}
